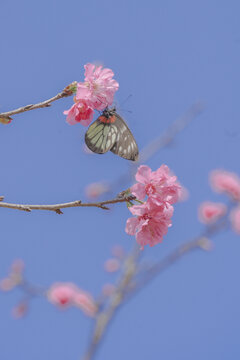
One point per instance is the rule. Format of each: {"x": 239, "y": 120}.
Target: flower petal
{"x": 139, "y": 191}
{"x": 131, "y": 226}
{"x": 143, "y": 174}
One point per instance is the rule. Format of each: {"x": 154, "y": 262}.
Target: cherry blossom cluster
{"x": 68, "y": 294}
{"x": 228, "y": 183}
{"x": 61, "y": 294}
{"x": 95, "y": 93}
{"x": 153, "y": 215}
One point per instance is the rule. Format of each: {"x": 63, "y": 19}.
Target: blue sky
{"x": 168, "y": 55}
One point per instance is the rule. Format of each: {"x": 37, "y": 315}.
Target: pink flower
{"x": 7, "y": 284}
{"x": 225, "y": 182}
{"x": 67, "y": 294}
{"x": 20, "y": 310}
{"x": 80, "y": 112}
{"x": 62, "y": 294}
{"x": 99, "y": 88}
{"x": 112, "y": 265}
{"x": 235, "y": 219}
{"x": 161, "y": 186}
{"x": 209, "y": 212}
{"x": 95, "y": 190}
{"x": 18, "y": 266}
{"x": 151, "y": 224}
{"x": 118, "y": 251}
{"x": 85, "y": 302}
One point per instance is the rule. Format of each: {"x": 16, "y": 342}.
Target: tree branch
{"x": 57, "y": 207}
{"x": 68, "y": 91}
{"x": 127, "y": 286}
{"x": 104, "y": 317}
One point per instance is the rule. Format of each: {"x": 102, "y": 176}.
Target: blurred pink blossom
{"x": 118, "y": 251}
{"x": 209, "y": 212}
{"x": 80, "y": 112}
{"x": 85, "y": 302}
{"x": 225, "y": 182}
{"x": 95, "y": 190}
{"x": 18, "y": 266}
{"x": 151, "y": 224}
{"x": 20, "y": 310}
{"x": 67, "y": 294}
{"x": 99, "y": 88}
{"x": 15, "y": 276}
{"x": 7, "y": 284}
{"x": 160, "y": 185}
{"x": 183, "y": 194}
{"x": 235, "y": 219}
{"x": 62, "y": 294}
{"x": 112, "y": 265}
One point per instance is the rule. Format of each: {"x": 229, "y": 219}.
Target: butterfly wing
{"x": 125, "y": 144}
{"x": 98, "y": 137}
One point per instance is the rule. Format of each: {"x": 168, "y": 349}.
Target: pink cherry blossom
{"x": 151, "y": 224}
{"x": 235, "y": 219}
{"x": 7, "y": 284}
{"x": 85, "y": 302}
{"x": 160, "y": 185}
{"x": 95, "y": 190}
{"x": 112, "y": 265}
{"x": 80, "y": 112}
{"x": 20, "y": 310}
{"x": 118, "y": 251}
{"x": 108, "y": 289}
{"x": 209, "y": 212}
{"x": 18, "y": 266}
{"x": 99, "y": 87}
{"x": 225, "y": 182}
{"x": 62, "y": 294}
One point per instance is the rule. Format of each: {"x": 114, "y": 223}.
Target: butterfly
{"x": 110, "y": 132}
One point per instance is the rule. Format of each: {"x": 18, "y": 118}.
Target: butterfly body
{"x": 110, "y": 133}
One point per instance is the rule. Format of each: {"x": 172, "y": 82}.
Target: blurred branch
{"x": 104, "y": 317}
{"x": 57, "y": 207}
{"x": 131, "y": 281}
{"x": 201, "y": 243}
{"x": 170, "y": 133}
{"x": 68, "y": 91}
{"x": 126, "y": 285}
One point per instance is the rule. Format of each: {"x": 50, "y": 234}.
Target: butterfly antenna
{"x": 124, "y": 101}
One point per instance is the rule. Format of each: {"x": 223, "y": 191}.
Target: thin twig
{"x": 66, "y": 92}
{"x": 57, "y": 207}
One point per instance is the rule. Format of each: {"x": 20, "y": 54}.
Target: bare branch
{"x": 127, "y": 287}
{"x": 57, "y": 207}
{"x": 66, "y": 92}
{"x": 105, "y": 316}
{"x": 171, "y": 132}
